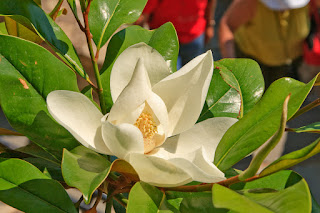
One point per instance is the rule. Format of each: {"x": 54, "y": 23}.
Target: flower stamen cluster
{"x": 146, "y": 124}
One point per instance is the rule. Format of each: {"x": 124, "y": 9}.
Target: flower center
{"x": 146, "y": 125}
{"x": 148, "y": 128}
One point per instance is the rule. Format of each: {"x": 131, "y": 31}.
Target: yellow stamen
{"x": 148, "y": 128}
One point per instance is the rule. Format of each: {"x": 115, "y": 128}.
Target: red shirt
{"x": 187, "y": 16}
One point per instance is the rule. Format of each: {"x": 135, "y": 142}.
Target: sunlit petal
{"x": 184, "y": 92}
{"x": 75, "y": 112}
{"x": 124, "y": 66}
{"x": 195, "y": 163}
{"x": 122, "y": 139}
{"x": 205, "y": 134}
{"x": 130, "y": 102}
{"x": 157, "y": 171}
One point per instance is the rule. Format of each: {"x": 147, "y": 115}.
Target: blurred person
{"x": 213, "y": 44}
{"x": 311, "y": 63}
{"x": 269, "y": 31}
{"x": 192, "y": 20}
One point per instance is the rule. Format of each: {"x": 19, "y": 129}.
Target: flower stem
{"x": 93, "y": 58}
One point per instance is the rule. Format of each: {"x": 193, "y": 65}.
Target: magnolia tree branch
{"x": 54, "y": 13}
{"x": 93, "y": 58}
{"x": 208, "y": 186}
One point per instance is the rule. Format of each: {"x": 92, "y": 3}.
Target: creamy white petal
{"x": 184, "y": 92}
{"x": 124, "y": 66}
{"x": 207, "y": 134}
{"x": 75, "y": 112}
{"x": 158, "y": 110}
{"x": 195, "y": 163}
{"x": 157, "y": 171}
{"x": 122, "y": 139}
{"x": 130, "y": 102}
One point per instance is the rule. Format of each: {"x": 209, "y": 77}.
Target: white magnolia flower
{"x": 152, "y": 122}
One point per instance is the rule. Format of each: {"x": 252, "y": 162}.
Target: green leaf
{"x": 26, "y": 188}
{"x": 164, "y": 40}
{"x": 294, "y": 199}
{"x": 261, "y": 155}
{"x": 53, "y": 168}
{"x": 28, "y": 74}
{"x": 226, "y": 101}
{"x": 146, "y": 198}
{"x": 73, "y": 6}
{"x": 312, "y": 128}
{"x": 29, "y": 14}
{"x": 84, "y": 169}
{"x": 190, "y": 202}
{"x": 3, "y": 29}
{"x": 315, "y": 206}
{"x": 36, "y": 151}
{"x": 277, "y": 181}
{"x": 16, "y": 29}
{"x": 292, "y": 158}
{"x": 106, "y": 16}
{"x": 261, "y": 123}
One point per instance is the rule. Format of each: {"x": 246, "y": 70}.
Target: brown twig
{"x": 88, "y": 34}
{"x": 53, "y": 14}
{"x": 208, "y": 186}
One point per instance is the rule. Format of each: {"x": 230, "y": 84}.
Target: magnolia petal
{"x": 196, "y": 164}
{"x": 130, "y": 103}
{"x": 124, "y": 67}
{"x": 184, "y": 92}
{"x": 157, "y": 108}
{"x": 157, "y": 171}
{"x": 205, "y": 134}
{"x": 122, "y": 139}
{"x": 75, "y": 112}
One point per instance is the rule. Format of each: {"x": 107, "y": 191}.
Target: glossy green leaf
{"x": 226, "y": 198}
{"x": 36, "y": 151}
{"x": 315, "y": 206}
{"x": 16, "y": 29}
{"x": 190, "y": 202}
{"x": 43, "y": 164}
{"x": 3, "y": 29}
{"x": 261, "y": 155}
{"x": 146, "y": 198}
{"x": 73, "y": 6}
{"x": 312, "y": 128}
{"x": 28, "y": 74}
{"x": 84, "y": 169}
{"x": 29, "y": 14}
{"x": 106, "y": 16}
{"x": 118, "y": 208}
{"x": 294, "y": 199}
{"x": 164, "y": 40}
{"x": 261, "y": 123}
{"x": 26, "y": 188}
{"x": 293, "y": 158}
{"x": 247, "y": 88}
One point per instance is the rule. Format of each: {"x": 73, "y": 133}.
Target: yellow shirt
{"x": 274, "y": 37}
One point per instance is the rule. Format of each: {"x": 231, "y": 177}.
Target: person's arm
{"x": 209, "y": 16}
{"x": 239, "y": 12}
